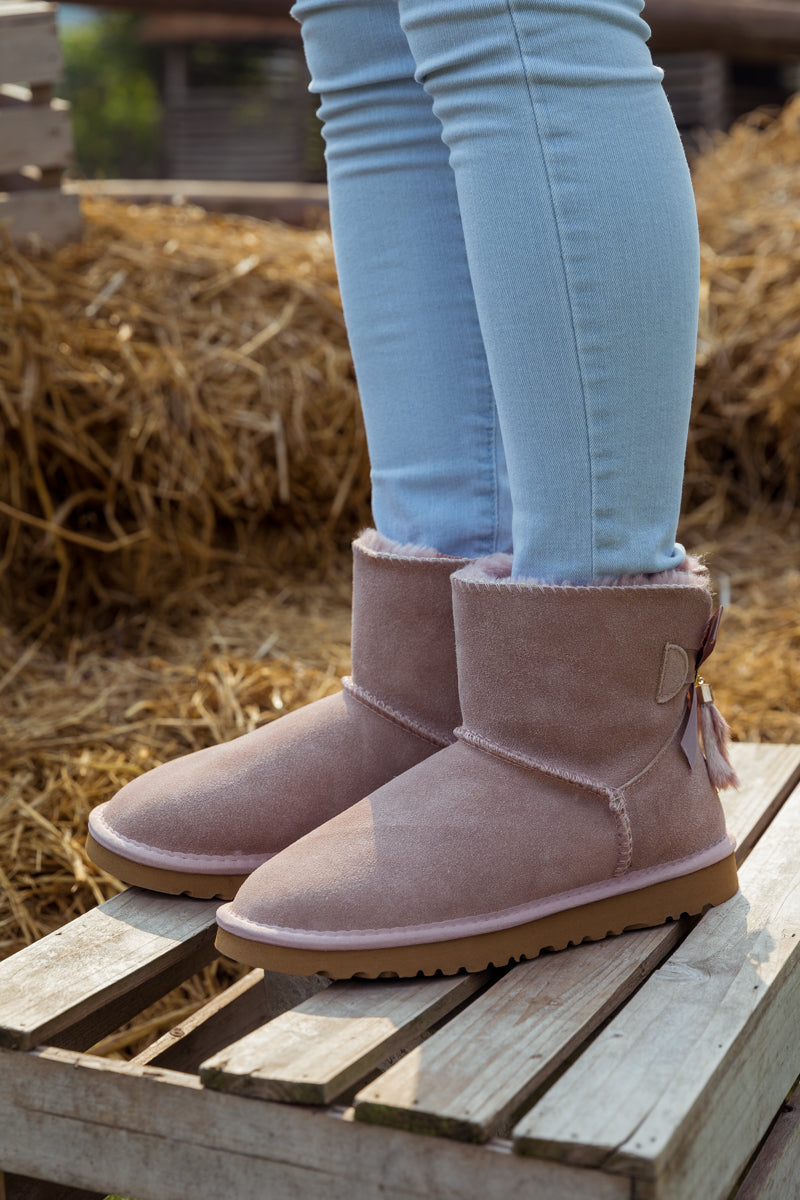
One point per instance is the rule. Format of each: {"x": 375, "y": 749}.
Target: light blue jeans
{"x": 516, "y": 241}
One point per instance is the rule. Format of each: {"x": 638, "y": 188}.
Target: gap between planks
{"x": 317, "y": 1051}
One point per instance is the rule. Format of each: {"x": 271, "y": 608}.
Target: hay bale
{"x": 744, "y": 447}
{"x": 176, "y": 393}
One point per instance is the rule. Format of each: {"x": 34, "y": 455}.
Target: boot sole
{"x": 158, "y": 879}
{"x": 687, "y": 895}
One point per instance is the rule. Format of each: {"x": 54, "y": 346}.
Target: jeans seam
{"x": 557, "y": 224}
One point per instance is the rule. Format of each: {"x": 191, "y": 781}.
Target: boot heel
{"x": 688, "y": 894}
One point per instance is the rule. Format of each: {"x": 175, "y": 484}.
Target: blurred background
{"x": 198, "y": 89}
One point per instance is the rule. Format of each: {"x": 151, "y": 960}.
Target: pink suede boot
{"x": 200, "y": 824}
{"x": 575, "y": 803}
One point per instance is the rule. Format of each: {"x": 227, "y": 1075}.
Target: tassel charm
{"x": 690, "y": 742}
{"x": 706, "y": 721}
{"x": 715, "y": 734}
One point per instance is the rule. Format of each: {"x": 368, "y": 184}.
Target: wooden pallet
{"x": 35, "y": 128}
{"x": 647, "y": 1067}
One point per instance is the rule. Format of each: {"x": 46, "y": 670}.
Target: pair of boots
{"x": 513, "y": 766}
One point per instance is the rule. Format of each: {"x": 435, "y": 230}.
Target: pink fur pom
{"x": 715, "y": 733}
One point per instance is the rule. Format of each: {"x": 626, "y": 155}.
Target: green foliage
{"x": 111, "y": 81}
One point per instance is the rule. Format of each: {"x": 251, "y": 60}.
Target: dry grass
{"x": 180, "y": 436}
{"x": 744, "y": 449}
{"x": 176, "y": 397}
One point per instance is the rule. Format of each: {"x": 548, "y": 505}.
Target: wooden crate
{"x": 35, "y": 129}
{"x": 647, "y": 1067}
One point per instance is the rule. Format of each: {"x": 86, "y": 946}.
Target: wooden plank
{"x": 49, "y": 213}
{"x": 682, "y": 1084}
{"x": 231, "y": 1014}
{"x": 200, "y": 191}
{"x": 767, "y": 774}
{"x": 475, "y": 1073}
{"x": 329, "y": 1043}
{"x": 241, "y": 1008}
{"x": 86, "y": 970}
{"x": 35, "y": 135}
{"x": 29, "y": 47}
{"x": 296, "y": 204}
{"x": 157, "y": 1133}
{"x": 775, "y": 1174}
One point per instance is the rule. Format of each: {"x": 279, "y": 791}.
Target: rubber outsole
{"x": 687, "y": 895}
{"x": 157, "y": 879}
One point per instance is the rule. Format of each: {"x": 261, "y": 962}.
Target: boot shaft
{"x": 590, "y": 680}
{"x": 403, "y": 639}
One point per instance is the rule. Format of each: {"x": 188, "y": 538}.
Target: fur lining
{"x": 497, "y": 569}
{"x": 371, "y": 539}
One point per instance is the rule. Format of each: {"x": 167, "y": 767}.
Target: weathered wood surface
{"x": 86, "y": 979}
{"x": 35, "y": 129}
{"x": 682, "y": 1084}
{"x": 48, "y": 213}
{"x": 468, "y": 1079}
{"x": 151, "y": 1132}
{"x": 775, "y": 1174}
{"x": 29, "y": 47}
{"x": 303, "y": 204}
{"x": 35, "y": 135}
{"x": 320, "y": 1049}
{"x": 246, "y": 1005}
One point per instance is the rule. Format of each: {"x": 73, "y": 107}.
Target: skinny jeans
{"x": 516, "y": 241}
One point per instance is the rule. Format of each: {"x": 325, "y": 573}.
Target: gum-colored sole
{"x": 174, "y": 883}
{"x": 688, "y": 894}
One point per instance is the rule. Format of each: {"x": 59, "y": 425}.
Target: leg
{"x": 581, "y": 235}
{"x": 438, "y": 469}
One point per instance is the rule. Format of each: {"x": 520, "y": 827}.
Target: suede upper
{"x": 232, "y": 806}
{"x": 583, "y": 710}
